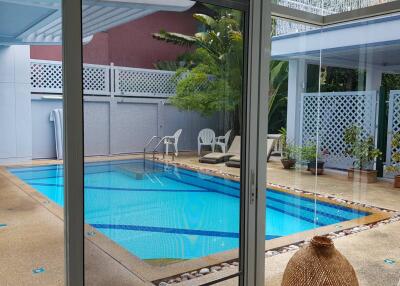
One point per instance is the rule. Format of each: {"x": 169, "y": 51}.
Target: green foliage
{"x": 289, "y": 151}
{"x": 186, "y": 60}
{"x": 334, "y": 79}
{"x": 213, "y": 79}
{"x": 395, "y": 168}
{"x": 283, "y": 133}
{"x": 309, "y": 152}
{"x": 361, "y": 149}
{"x": 390, "y": 82}
{"x": 277, "y": 105}
{"x": 210, "y": 79}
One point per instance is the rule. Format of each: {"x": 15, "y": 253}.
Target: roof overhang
{"x": 38, "y": 22}
{"x": 355, "y": 44}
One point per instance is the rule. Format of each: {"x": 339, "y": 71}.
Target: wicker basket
{"x": 320, "y": 263}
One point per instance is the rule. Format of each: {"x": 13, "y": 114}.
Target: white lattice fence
{"x": 393, "y": 124}
{"x": 46, "y": 77}
{"x": 325, "y": 116}
{"x": 143, "y": 82}
{"x": 96, "y": 79}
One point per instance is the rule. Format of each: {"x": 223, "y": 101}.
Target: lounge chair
{"x": 234, "y": 161}
{"x": 206, "y": 138}
{"x": 278, "y": 143}
{"x": 215, "y": 158}
{"x": 222, "y": 141}
{"x": 172, "y": 140}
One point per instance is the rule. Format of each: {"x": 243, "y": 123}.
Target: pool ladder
{"x": 155, "y": 148}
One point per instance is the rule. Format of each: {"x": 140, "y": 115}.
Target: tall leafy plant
{"x": 277, "y": 97}
{"x": 212, "y": 80}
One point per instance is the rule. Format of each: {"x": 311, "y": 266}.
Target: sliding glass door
{"x": 31, "y": 166}
{"x": 332, "y": 184}
{"x": 162, "y": 144}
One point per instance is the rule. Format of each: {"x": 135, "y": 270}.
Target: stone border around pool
{"x": 172, "y": 273}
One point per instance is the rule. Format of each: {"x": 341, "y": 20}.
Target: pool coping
{"x": 153, "y": 273}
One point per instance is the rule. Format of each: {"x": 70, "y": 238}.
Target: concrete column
{"x": 15, "y": 104}
{"x": 296, "y": 86}
{"x": 113, "y": 113}
{"x": 373, "y": 78}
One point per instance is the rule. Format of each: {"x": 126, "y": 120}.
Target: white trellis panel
{"x": 96, "y": 79}
{"x": 144, "y": 82}
{"x": 46, "y": 76}
{"x": 326, "y": 115}
{"x": 393, "y": 124}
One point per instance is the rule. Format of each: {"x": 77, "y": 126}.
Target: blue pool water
{"x": 159, "y": 211}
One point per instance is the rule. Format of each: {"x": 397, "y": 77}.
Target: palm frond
{"x": 202, "y": 36}
{"x": 175, "y": 38}
{"x": 205, "y": 19}
{"x": 236, "y": 36}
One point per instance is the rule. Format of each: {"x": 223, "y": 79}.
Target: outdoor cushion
{"x": 215, "y": 158}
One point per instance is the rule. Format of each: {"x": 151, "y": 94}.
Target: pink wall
{"x": 95, "y": 52}
{"x": 131, "y": 44}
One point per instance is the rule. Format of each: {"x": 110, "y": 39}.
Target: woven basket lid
{"x": 319, "y": 263}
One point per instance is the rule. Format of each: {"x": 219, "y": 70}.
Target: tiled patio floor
{"x": 33, "y": 236}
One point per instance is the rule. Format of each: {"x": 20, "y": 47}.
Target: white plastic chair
{"x": 172, "y": 140}
{"x": 206, "y": 138}
{"x": 222, "y": 141}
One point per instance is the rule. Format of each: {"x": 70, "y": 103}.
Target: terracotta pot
{"x": 396, "y": 182}
{"x": 363, "y": 176}
{"x": 319, "y": 264}
{"x": 316, "y": 167}
{"x": 288, "y": 163}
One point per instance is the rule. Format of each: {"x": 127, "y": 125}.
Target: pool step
{"x": 138, "y": 171}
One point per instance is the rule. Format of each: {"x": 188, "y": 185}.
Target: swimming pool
{"x": 181, "y": 214}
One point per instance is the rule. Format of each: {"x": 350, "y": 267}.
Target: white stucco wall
{"x": 15, "y": 104}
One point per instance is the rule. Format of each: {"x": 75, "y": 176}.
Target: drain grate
{"x": 389, "y": 261}
{"x": 90, "y": 233}
{"x": 38, "y": 270}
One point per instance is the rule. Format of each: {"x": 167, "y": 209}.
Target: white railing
{"x": 326, "y": 115}
{"x": 46, "y": 77}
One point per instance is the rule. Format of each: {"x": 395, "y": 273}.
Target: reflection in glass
{"x": 337, "y": 149}
{"x": 162, "y": 142}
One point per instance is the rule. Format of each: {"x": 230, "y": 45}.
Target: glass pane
{"x": 31, "y": 166}
{"x": 295, "y": 161}
{"x": 162, "y": 108}
{"x": 345, "y": 97}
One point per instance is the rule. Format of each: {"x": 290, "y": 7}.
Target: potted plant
{"x": 289, "y": 151}
{"x": 289, "y": 154}
{"x": 395, "y": 167}
{"x": 312, "y": 156}
{"x": 362, "y": 150}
